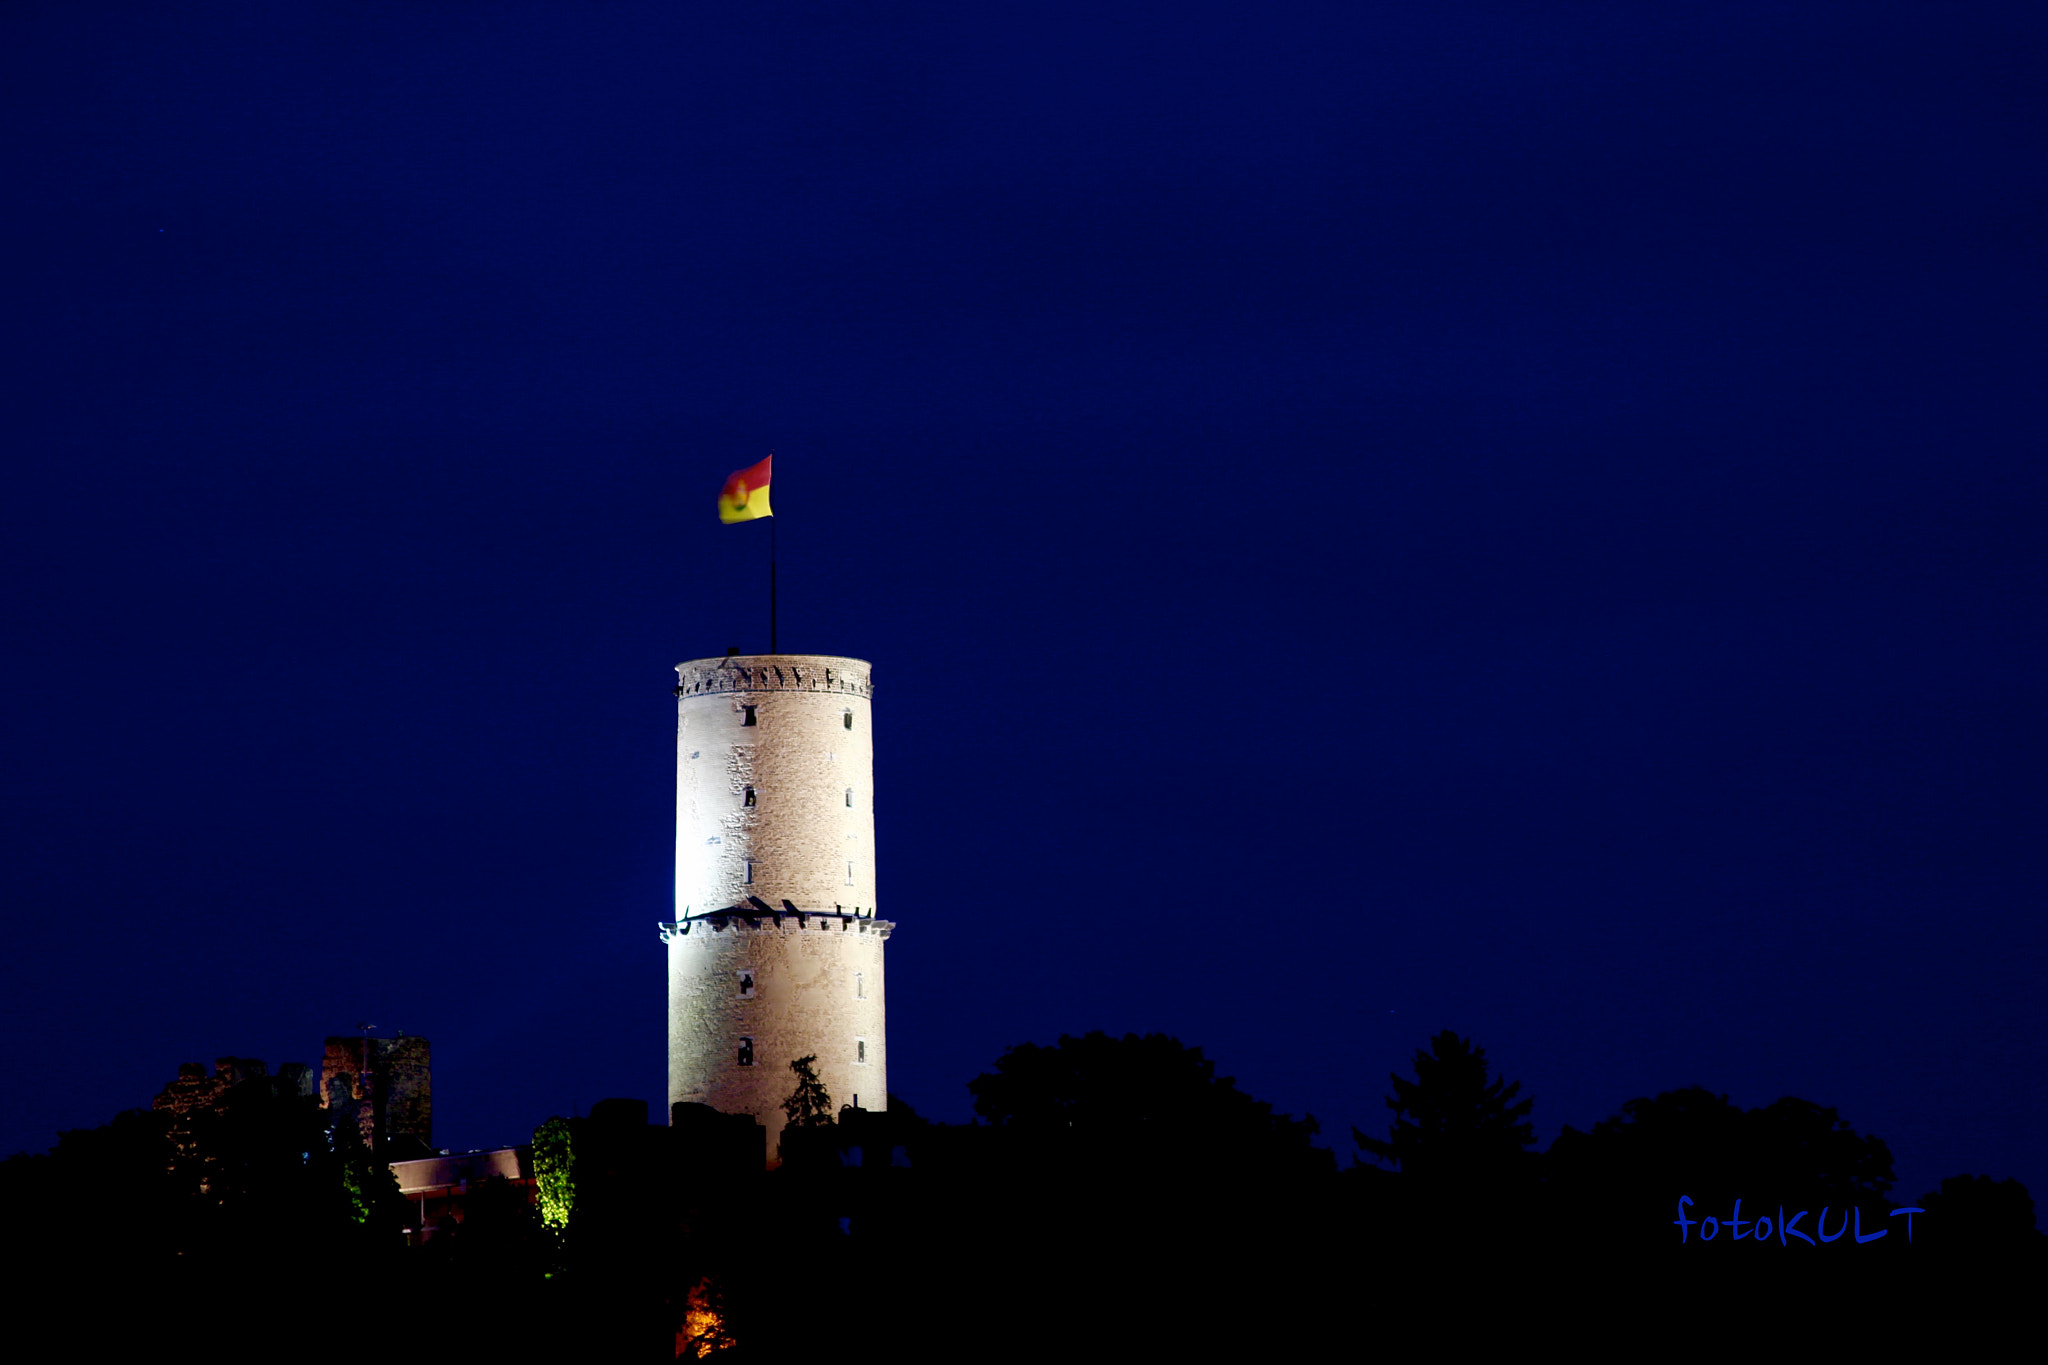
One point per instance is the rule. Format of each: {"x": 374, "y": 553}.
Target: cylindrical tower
{"x": 775, "y": 952}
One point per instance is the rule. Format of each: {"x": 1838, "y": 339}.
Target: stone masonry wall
{"x": 795, "y": 989}
{"x": 397, "y": 1099}
{"x": 809, "y": 760}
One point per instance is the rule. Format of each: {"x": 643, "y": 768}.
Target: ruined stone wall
{"x": 347, "y": 1072}
{"x": 194, "y": 1089}
{"x": 387, "y": 1086}
{"x": 407, "y": 1092}
{"x": 195, "y": 1093}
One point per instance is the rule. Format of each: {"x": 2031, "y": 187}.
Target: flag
{"x": 745, "y": 495}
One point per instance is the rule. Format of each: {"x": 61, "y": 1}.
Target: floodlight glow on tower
{"x": 775, "y": 952}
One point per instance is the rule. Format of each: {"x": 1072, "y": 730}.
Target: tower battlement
{"x": 775, "y": 919}
{"x": 718, "y": 921}
{"x": 774, "y": 673}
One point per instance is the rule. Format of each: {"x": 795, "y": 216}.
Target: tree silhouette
{"x": 103, "y": 1196}
{"x": 810, "y": 1104}
{"x": 1978, "y": 1217}
{"x": 1131, "y": 1165}
{"x": 1451, "y": 1124}
{"x": 1152, "y": 1095}
{"x": 1618, "y": 1185}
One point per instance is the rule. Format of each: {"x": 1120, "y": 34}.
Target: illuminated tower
{"x": 775, "y": 952}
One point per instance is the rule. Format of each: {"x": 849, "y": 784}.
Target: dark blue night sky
{"x": 1368, "y": 519}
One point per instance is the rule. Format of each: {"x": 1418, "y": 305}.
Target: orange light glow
{"x": 703, "y": 1331}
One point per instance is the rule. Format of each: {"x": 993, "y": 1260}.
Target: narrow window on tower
{"x": 849, "y": 875}
{"x": 845, "y": 718}
{"x": 860, "y": 1052}
{"x": 749, "y": 718}
{"x": 746, "y": 985}
{"x": 746, "y": 1052}
{"x": 860, "y": 986}
{"x": 750, "y": 871}
{"x": 750, "y": 796}
{"x": 849, "y": 798}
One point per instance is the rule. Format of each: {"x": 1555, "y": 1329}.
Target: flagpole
{"x": 771, "y": 586}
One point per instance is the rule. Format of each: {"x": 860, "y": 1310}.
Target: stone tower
{"x": 775, "y": 952}
{"x": 385, "y": 1087}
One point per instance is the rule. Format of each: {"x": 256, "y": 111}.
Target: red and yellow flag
{"x": 745, "y": 495}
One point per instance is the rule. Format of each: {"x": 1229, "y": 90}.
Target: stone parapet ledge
{"x": 774, "y": 673}
{"x": 721, "y": 920}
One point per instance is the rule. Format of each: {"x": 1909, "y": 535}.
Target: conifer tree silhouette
{"x": 1452, "y": 1126}
{"x": 810, "y": 1104}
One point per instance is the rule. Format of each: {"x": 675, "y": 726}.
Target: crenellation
{"x": 721, "y": 921}
{"x": 779, "y": 673}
